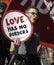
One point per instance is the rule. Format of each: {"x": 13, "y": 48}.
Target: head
{"x": 51, "y": 54}
{"x": 32, "y": 13}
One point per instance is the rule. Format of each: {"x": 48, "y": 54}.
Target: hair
{"x": 30, "y": 8}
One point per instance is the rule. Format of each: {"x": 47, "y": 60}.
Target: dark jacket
{"x": 32, "y": 43}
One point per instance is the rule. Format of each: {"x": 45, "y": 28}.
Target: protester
{"x": 51, "y": 55}
{"x": 28, "y": 50}
{"x": 4, "y": 43}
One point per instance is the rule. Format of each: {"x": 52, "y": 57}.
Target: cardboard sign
{"x": 16, "y": 24}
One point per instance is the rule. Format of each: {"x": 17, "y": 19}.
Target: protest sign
{"x": 15, "y": 24}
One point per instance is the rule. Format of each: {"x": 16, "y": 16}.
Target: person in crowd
{"x": 28, "y": 50}
{"x": 4, "y": 43}
{"x": 51, "y": 55}
{"x": 47, "y": 55}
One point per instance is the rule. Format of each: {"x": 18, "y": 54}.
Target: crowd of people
{"x": 26, "y": 53}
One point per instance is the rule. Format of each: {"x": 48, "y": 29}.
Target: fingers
{"x": 17, "y": 41}
{"x": 14, "y": 45}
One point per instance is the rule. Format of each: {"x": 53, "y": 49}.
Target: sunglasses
{"x": 33, "y": 13}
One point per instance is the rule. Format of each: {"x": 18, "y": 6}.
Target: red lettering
{"x": 13, "y": 20}
{"x": 17, "y": 20}
{"x": 21, "y": 19}
{"x": 7, "y": 22}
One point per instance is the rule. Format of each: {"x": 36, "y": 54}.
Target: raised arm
{"x": 14, "y": 45}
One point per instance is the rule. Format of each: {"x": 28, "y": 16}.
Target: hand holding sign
{"x": 15, "y": 45}
{"x": 16, "y": 24}
{"x": 17, "y": 41}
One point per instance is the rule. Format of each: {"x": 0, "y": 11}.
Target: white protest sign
{"x": 15, "y": 24}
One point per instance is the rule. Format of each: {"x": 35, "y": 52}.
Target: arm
{"x": 14, "y": 46}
